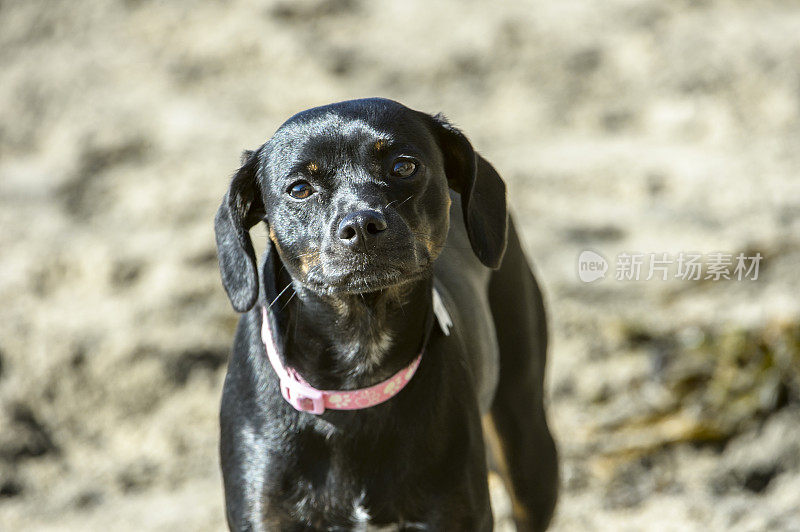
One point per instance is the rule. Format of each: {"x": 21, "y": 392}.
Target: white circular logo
{"x": 591, "y": 266}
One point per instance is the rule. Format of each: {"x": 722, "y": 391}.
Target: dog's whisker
{"x": 288, "y": 300}
{"x": 405, "y": 200}
{"x": 279, "y": 295}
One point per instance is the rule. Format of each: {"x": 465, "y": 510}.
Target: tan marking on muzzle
{"x": 274, "y": 240}
{"x": 424, "y": 234}
{"x": 308, "y": 260}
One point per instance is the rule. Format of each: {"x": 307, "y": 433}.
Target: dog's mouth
{"x": 366, "y": 273}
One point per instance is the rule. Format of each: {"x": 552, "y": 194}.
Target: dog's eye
{"x": 404, "y": 168}
{"x": 300, "y": 190}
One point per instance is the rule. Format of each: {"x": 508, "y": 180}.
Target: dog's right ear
{"x": 241, "y": 208}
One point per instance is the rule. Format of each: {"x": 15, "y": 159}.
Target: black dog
{"x": 362, "y": 227}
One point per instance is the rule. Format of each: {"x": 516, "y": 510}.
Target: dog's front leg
{"x": 459, "y": 490}
{"x": 244, "y": 456}
{"x": 243, "y": 475}
{"x": 460, "y": 513}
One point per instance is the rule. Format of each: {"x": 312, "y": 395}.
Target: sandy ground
{"x": 619, "y": 126}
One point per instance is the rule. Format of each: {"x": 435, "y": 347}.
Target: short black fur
{"x": 351, "y": 302}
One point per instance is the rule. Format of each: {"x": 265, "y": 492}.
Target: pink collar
{"x": 305, "y": 398}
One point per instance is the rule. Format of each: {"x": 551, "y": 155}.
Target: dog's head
{"x": 355, "y": 198}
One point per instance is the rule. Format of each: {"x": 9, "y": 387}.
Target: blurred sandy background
{"x": 619, "y": 126}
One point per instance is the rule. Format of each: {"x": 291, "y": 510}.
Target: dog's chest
{"x": 341, "y": 511}
{"x": 343, "y": 487}
{"x": 367, "y": 351}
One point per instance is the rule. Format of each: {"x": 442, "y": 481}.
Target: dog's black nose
{"x": 361, "y": 228}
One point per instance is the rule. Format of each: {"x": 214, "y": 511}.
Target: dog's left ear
{"x": 483, "y": 192}
{"x": 241, "y": 208}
